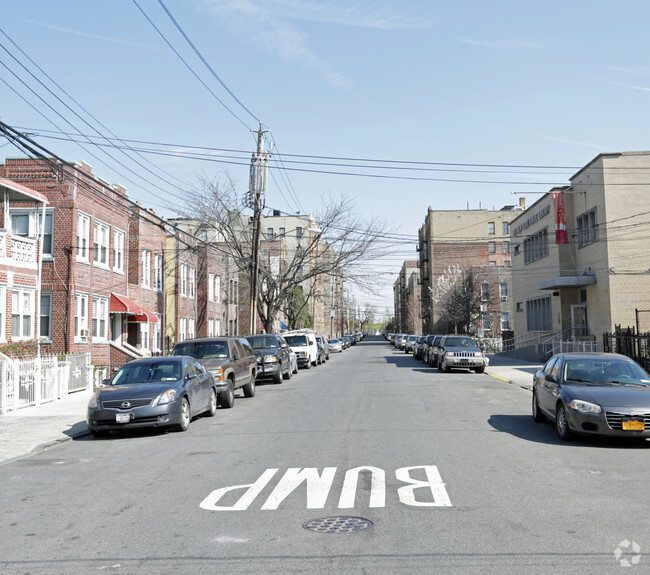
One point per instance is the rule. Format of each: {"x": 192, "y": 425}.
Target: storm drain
{"x": 337, "y": 524}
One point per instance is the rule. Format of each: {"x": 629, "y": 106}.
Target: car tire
{"x": 212, "y": 407}
{"x": 288, "y": 373}
{"x": 228, "y": 397}
{"x": 562, "y": 423}
{"x": 315, "y": 363}
{"x": 186, "y": 415}
{"x": 479, "y": 369}
{"x": 277, "y": 376}
{"x": 308, "y": 366}
{"x": 538, "y": 416}
{"x": 249, "y": 388}
{"x": 295, "y": 369}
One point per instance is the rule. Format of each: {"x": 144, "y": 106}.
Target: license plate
{"x": 633, "y": 425}
{"x": 122, "y": 417}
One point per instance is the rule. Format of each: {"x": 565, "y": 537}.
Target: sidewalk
{"x": 33, "y": 429}
{"x": 516, "y": 371}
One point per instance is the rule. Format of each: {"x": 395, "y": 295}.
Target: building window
{"x": 204, "y": 235}
{"x": 158, "y": 272}
{"x": 83, "y": 231}
{"x": 20, "y": 225}
{"x": 491, "y": 229}
{"x": 505, "y": 320}
{"x": 517, "y": 249}
{"x": 217, "y": 289}
{"x": 298, "y": 233}
{"x": 118, "y": 251}
{"x": 192, "y": 281}
{"x": 45, "y": 311}
{"x": 520, "y": 306}
{"x": 100, "y": 244}
{"x": 81, "y": 316}
{"x": 22, "y": 314}
{"x": 182, "y": 329}
{"x": 506, "y": 263}
{"x": 587, "y": 228}
{"x": 538, "y": 314}
{"x": 210, "y": 328}
{"x": 492, "y": 247}
{"x": 191, "y": 328}
{"x": 217, "y": 327}
{"x": 184, "y": 279}
{"x": 144, "y": 336}
{"x": 156, "y": 342}
{"x": 486, "y": 320}
{"x": 281, "y": 233}
{"x": 269, "y": 233}
{"x": 504, "y": 292}
{"x": 146, "y": 268}
{"x": 493, "y": 263}
{"x": 210, "y": 287}
{"x": 506, "y": 247}
{"x": 536, "y": 246}
{"x": 100, "y": 318}
{"x": 506, "y": 229}
{"x": 485, "y": 292}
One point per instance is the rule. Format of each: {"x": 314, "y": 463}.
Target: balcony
{"x": 18, "y": 251}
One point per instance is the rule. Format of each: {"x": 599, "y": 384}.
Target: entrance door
{"x": 579, "y": 324}
{"x": 116, "y": 328}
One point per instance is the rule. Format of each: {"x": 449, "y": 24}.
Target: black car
{"x": 273, "y": 356}
{"x": 593, "y": 393}
{"x": 153, "y": 392}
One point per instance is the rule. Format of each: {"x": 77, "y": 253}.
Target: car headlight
{"x": 94, "y": 403}
{"x": 270, "y": 359}
{"x": 165, "y": 397}
{"x": 585, "y": 406}
{"x": 217, "y": 374}
{"x": 450, "y": 354}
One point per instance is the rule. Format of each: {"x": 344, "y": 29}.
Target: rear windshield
{"x": 202, "y": 349}
{"x": 155, "y": 372}
{"x": 297, "y": 340}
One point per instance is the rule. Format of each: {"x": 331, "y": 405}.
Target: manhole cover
{"x": 337, "y": 524}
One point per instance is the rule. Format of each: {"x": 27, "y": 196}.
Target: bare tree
{"x": 338, "y": 245}
{"x": 457, "y": 299}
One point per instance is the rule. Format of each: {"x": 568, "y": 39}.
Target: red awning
{"x": 122, "y": 304}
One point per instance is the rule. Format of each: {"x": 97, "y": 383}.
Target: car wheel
{"x": 249, "y": 388}
{"x": 228, "y": 397}
{"x": 444, "y": 367}
{"x": 184, "y": 422}
{"x": 562, "y": 423}
{"x": 308, "y": 366}
{"x": 288, "y": 373}
{"x": 295, "y": 368}
{"x": 99, "y": 433}
{"x": 315, "y": 363}
{"x": 479, "y": 369}
{"x": 538, "y": 416}
{"x": 212, "y": 408}
{"x": 277, "y": 376}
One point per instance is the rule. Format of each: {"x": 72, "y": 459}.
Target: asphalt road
{"x": 460, "y": 480}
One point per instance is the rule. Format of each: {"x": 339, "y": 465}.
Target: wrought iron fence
{"x": 627, "y": 342}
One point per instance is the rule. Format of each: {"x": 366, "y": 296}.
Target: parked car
{"x": 433, "y": 350}
{"x": 153, "y": 392}
{"x": 305, "y": 346}
{"x": 273, "y": 357}
{"x": 418, "y": 348}
{"x": 593, "y": 394}
{"x": 336, "y": 346}
{"x": 324, "y": 342}
{"x": 410, "y": 342}
{"x": 461, "y": 351}
{"x": 401, "y": 342}
{"x": 230, "y": 361}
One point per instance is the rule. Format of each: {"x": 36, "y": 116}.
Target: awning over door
{"x": 122, "y": 304}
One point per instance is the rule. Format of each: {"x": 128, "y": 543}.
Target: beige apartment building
{"x": 579, "y": 277}
{"x": 406, "y": 298}
{"x": 468, "y": 239}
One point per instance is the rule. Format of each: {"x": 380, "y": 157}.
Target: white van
{"x": 305, "y": 347}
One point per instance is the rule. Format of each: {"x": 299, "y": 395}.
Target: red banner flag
{"x": 561, "y": 234}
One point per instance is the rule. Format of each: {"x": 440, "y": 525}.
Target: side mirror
{"x": 191, "y": 375}
{"x": 106, "y": 381}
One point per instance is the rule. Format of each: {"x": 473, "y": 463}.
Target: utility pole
{"x": 257, "y": 187}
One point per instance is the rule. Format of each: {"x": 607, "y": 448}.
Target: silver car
{"x": 461, "y": 351}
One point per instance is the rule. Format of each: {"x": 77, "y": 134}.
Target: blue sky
{"x": 548, "y": 84}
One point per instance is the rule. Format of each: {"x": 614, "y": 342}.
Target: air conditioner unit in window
{"x": 504, "y": 298}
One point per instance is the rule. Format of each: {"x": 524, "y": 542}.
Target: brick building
{"x": 581, "y": 278}
{"x": 464, "y": 240}
{"x": 406, "y": 292}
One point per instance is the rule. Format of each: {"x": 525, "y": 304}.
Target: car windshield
{"x": 202, "y": 349}
{"x": 154, "y": 372}
{"x": 262, "y": 342}
{"x": 460, "y": 342}
{"x": 599, "y": 370}
{"x": 296, "y": 340}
